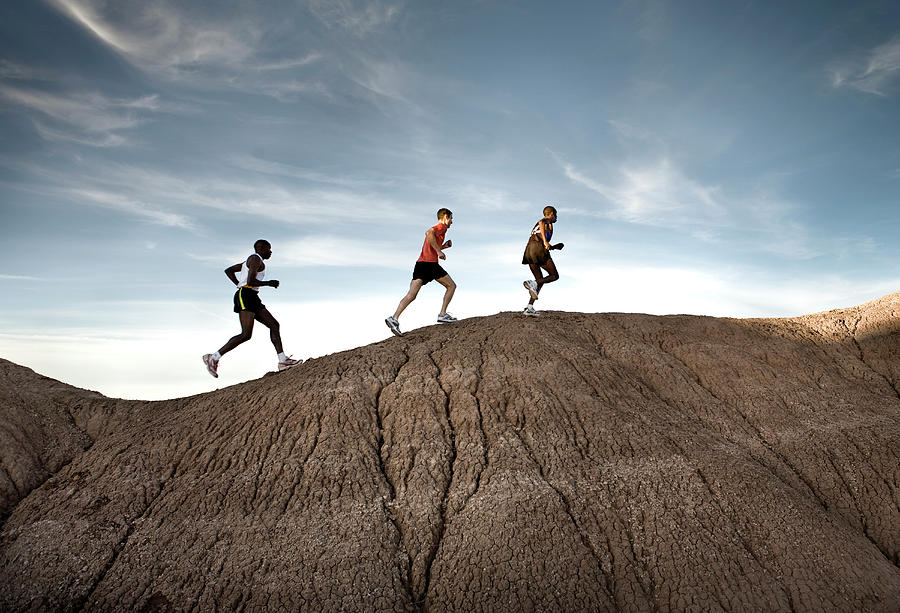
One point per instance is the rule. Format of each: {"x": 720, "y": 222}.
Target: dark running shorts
{"x": 247, "y": 300}
{"x": 428, "y": 271}
{"x": 535, "y": 252}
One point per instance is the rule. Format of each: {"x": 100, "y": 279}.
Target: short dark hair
{"x": 549, "y": 210}
{"x": 261, "y": 243}
{"x": 442, "y": 212}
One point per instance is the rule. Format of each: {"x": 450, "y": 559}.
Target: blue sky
{"x": 721, "y": 158}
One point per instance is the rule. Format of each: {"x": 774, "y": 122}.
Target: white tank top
{"x": 245, "y": 273}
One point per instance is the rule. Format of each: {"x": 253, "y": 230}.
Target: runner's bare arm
{"x": 231, "y": 273}
{"x": 447, "y": 245}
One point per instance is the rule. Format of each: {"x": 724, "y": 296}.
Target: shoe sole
{"x": 281, "y": 368}
{"x": 395, "y": 331}
{"x": 447, "y": 321}
{"x": 530, "y": 291}
{"x": 531, "y": 314}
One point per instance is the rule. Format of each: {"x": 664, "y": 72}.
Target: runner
{"x": 537, "y": 256}
{"x": 427, "y": 269}
{"x": 249, "y": 308}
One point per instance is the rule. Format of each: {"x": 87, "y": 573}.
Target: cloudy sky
{"x": 708, "y": 157}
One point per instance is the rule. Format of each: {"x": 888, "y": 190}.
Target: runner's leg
{"x": 550, "y": 267}
{"x": 414, "y": 286}
{"x": 538, "y": 277}
{"x": 447, "y": 282}
{"x": 265, "y": 318}
{"x": 246, "y": 318}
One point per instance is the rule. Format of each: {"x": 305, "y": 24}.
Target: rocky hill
{"x": 575, "y": 462}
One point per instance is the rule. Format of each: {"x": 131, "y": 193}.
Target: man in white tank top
{"x": 249, "y": 276}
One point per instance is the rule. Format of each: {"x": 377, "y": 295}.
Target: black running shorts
{"x": 428, "y": 271}
{"x": 246, "y": 299}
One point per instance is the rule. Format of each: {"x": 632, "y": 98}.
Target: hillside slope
{"x": 571, "y": 462}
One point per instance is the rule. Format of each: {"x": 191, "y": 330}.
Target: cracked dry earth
{"x": 575, "y": 462}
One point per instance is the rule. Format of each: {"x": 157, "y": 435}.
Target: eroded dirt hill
{"x": 576, "y": 462}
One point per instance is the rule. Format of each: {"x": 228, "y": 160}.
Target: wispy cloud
{"x": 288, "y": 64}
{"x": 662, "y": 195}
{"x": 244, "y": 49}
{"x": 156, "y": 33}
{"x": 386, "y": 79}
{"x": 278, "y": 169}
{"x": 153, "y": 194}
{"x": 359, "y": 17}
{"x": 124, "y": 204}
{"x": 230, "y": 49}
{"x": 18, "y": 71}
{"x": 487, "y": 198}
{"x": 92, "y": 140}
{"x": 655, "y": 194}
{"x": 87, "y": 118}
{"x": 876, "y": 74}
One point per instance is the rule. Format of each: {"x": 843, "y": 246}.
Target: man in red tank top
{"x": 427, "y": 269}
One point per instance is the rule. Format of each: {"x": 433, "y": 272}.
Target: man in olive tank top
{"x": 537, "y": 257}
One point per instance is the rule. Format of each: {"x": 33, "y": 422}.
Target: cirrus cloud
{"x": 876, "y": 74}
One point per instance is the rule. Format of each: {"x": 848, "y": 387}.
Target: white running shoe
{"x": 531, "y": 286}
{"x": 287, "y": 363}
{"x": 530, "y": 312}
{"x": 394, "y": 325}
{"x": 211, "y": 365}
{"x": 445, "y": 318}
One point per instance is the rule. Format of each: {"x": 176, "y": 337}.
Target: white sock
{"x": 216, "y": 356}
{"x": 282, "y": 357}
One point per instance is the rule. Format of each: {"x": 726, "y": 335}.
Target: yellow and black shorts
{"x": 246, "y": 299}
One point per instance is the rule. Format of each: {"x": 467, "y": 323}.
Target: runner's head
{"x": 445, "y": 216}
{"x": 263, "y": 248}
{"x": 550, "y": 212}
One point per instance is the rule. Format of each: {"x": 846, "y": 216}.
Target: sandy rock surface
{"x": 572, "y": 462}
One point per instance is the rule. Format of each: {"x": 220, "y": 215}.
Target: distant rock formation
{"x": 572, "y": 462}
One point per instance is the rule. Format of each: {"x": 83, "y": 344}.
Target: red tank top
{"x": 428, "y": 253}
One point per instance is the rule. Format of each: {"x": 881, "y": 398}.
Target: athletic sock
{"x": 216, "y": 356}
{"x": 282, "y": 357}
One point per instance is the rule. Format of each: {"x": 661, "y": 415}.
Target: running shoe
{"x": 211, "y": 365}
{"x": 394, "y": 325}
{"x": 445, "y": 318}
{"x": 530, "y": 312}
{"x": 287, "y": 363}
{"x": 531, "y": 286}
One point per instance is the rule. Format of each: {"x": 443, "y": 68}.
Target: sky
{"x": 714, "y": 158}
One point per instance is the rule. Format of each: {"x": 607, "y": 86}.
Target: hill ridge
{"x": 577, "y": 461}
